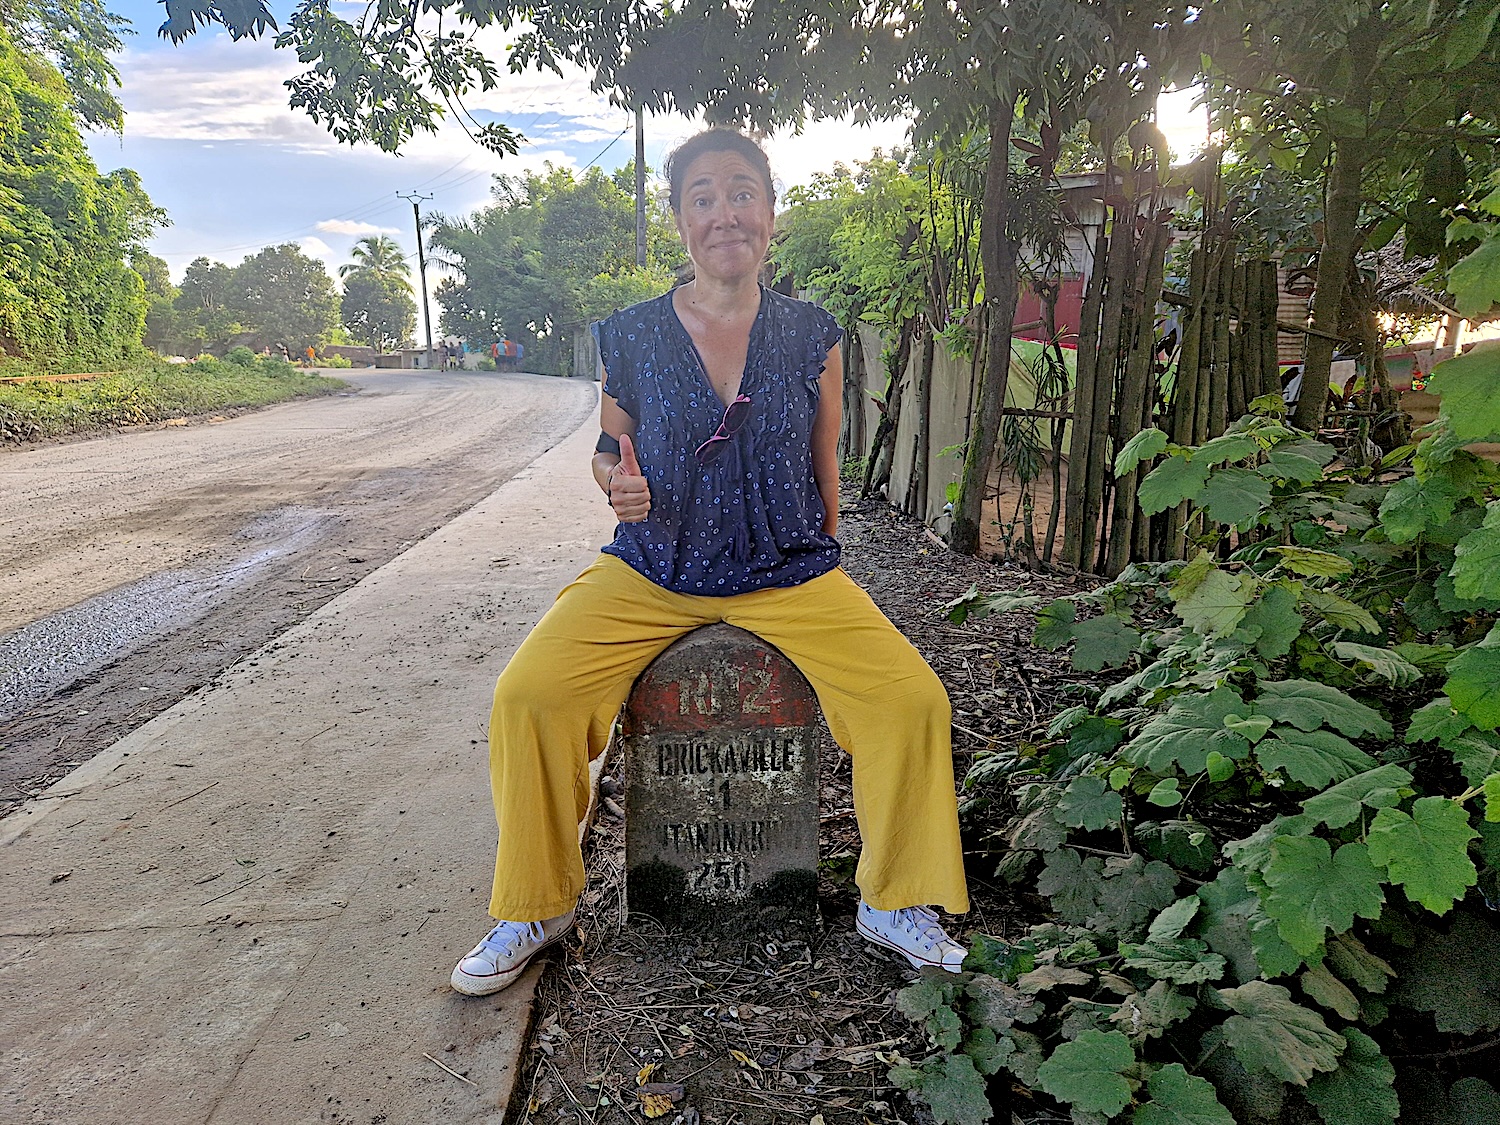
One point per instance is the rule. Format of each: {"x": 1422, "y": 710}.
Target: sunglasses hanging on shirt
{"x": 735, "y": 415}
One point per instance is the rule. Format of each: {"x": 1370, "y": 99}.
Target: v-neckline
{"x": 750, "y": 347}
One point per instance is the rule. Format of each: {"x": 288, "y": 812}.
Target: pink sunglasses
{"x": 734, "y": 418}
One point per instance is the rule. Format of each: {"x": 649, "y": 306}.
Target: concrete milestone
{"x": 721, "y": 767}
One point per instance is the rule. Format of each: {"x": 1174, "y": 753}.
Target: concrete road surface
{"x": 247, "y": 910}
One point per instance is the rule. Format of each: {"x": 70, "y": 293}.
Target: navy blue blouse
{"x": 751, "y": 518}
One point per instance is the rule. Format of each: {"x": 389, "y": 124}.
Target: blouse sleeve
{"x": 619, "y": 377}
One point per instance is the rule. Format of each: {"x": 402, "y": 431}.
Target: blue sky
{"x": 208, "y": 128}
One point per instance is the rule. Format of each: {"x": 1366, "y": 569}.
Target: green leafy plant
{"x": 1258, "y": 847}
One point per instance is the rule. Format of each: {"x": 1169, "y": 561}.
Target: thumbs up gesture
{"x": 629, "y": 494}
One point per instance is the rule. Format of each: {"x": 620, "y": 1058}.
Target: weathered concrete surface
{"x": 247, "y": 910}
{"x": 721, "y": 765}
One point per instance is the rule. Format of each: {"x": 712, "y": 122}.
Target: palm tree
{"x": 380, "y": 254}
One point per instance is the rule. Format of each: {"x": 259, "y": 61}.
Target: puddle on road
{"x": 42, "y": 658}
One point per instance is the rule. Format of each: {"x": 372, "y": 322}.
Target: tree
{"x": 379, "y": 254}
{"x": 1402, "y": 94}
{"x": 551, "y": 252}
{"x": 377, "y": 309}
{"x": 282, "y": 296}
{"x": 66, "y": 292}
{"x": 76, "y": 37}
{"x": 161, "y": 296}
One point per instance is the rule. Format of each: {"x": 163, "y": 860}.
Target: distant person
{"x": 718, "y": 455}
{"x": 442, "y": 357}
{"x": 312, "y": 355}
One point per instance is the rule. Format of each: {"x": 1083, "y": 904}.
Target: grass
{"x": 150, "y": 391}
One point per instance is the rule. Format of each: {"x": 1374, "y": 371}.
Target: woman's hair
{"x": 714, "y": 140}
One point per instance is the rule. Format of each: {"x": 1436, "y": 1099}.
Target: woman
{"x": 720, "y": 420}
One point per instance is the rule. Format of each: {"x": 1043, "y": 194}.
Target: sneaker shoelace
{"x": 507, "y": 936}
{"x": 923, "y": 922}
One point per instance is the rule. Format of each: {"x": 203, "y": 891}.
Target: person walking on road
{"x": 720, "y": 421}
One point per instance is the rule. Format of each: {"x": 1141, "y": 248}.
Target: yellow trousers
{"x": 558, "y": 697}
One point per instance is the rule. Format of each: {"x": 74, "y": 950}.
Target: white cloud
{"x": 353, "y": 229}
{"x": 315, "y": 247}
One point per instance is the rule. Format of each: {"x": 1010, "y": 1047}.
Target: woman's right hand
{"x": 629, "y": 494}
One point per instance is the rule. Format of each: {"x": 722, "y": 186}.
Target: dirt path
{"x": 138, "y": 566}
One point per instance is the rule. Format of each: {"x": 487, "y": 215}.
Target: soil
{"x": 793, "y": 1025}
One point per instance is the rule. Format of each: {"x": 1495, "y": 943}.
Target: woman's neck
{"x": 717, "y": 299}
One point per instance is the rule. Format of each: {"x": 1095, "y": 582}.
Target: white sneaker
{"x": 914, "y": 932}
{"x": 498, "y": 959}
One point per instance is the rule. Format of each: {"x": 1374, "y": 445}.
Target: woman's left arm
{"x": 825, "y": 437}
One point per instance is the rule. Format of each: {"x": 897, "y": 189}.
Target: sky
{"x": 209, "y": 130}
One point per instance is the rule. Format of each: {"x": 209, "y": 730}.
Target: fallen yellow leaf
{"x": 744, "y": 1060}
{"x": 644, "y": 1074}
{"x": 656, "y": 1105}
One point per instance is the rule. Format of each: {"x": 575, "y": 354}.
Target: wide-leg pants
{"x": 558, "y": 698}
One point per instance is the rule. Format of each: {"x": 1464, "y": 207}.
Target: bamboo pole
{"x": 1204, "y": 405}
{"x": 1270, "y": 379}
{"x": 1133, "y": 407}
{"x": 1075, "y": 533}
{"x": 1111, "y": 316}
{"x": 1236, "y": 383}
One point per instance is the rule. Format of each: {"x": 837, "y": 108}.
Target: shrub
{"x": 240, "y": 356}
{"x": 1260, "y": 847}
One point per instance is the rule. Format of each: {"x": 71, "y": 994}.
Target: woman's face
{"x": 725, "y": 218}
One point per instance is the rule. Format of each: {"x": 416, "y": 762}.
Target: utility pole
{"x": 416, "y": 199}
{"x": 640, "y": 187}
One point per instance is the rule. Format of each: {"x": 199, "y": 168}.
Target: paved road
{"x": 137, "y": 566}
{"x": 246, "y": 910}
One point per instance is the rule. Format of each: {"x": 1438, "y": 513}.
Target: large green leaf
{"x": 1341, "y": 804}
{"x": 1339, "y": 612}
{"x": 1133, "y": 890}
{"x": 1474, "y": 682}
{"x": 1088, "y": 1073}
{"x": 1313, "y": 564}
{"x": 1054, "y": 624}
{"x": 1272, "y": 622}
{"x": 1476, "y": 559}
{"x": 1347, "y": 956}
{"x": 1360, "y": 1091}
{"x": 1235, "y": 496}
{"x": 1217, "y": 604}
{"x": 1469, "y": 385}
{"x": 1385, "y": 663}
{"x": 1426, "y": 852}
{"x": 1192, "y": 726}
{"x": 1180, "y": 960}
{"x": 1455, "y": 975}
{"x": 1271, "y": 1033}
{"x": 1142, "y": 447}
{"x": 1301, "y": 461}
{"x": 1308, "y": 704}
{"x": 1477, "y": 754}
{"x": 1176, "y": 479}
{"x": 1180, "y": 1098}
{"x": 1146, "y": 1015}
{"x": 1072, "y": 882}
{"x": 952, "y": 1088}
{"x": 1474, "y": 281}
{"x": 1314, "y": 758}
{"x": 1436, "y": 719}
{"x": 1326, "y": 990}
{"x": 1314, "y": 889}
{"x": 1103, "y": 642}
{"x": 1090, "y": 804}
{"x": 1415, "y": 504}
{"x": 1226, "y": 447}
{"x": 1474, "y": 1101}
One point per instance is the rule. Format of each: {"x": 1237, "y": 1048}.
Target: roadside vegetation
{"x": 153, "y": 391}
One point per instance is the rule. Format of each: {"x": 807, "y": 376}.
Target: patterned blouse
{"x": 752, "y": 517}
